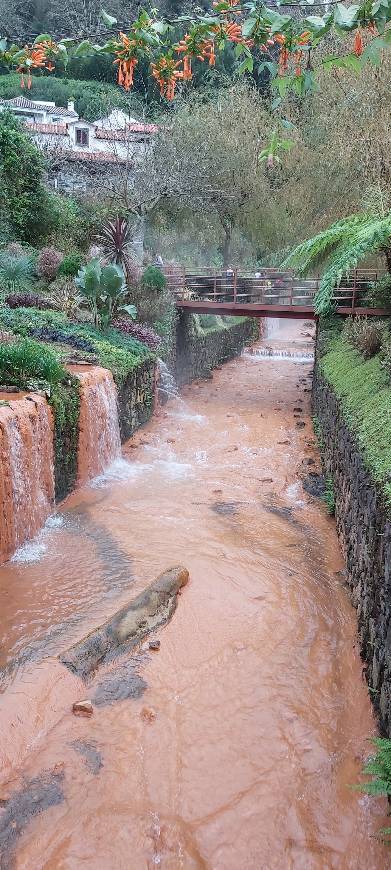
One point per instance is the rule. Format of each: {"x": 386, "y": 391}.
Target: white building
{"x": 118, "y": 138}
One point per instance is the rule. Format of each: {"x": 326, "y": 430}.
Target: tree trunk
{"x": 387, "y": 254}
{"x": 138, "y": 238}
{"x": 226, "y": 246}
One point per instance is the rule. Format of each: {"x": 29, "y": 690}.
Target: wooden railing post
{"x": 235, "y": 284}
{"x": 354, "y": 290}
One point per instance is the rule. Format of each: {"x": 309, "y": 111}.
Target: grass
{"x": 364, "y": 391}
{"x": 29, "y": 364}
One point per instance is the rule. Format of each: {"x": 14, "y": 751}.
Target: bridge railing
{"x": 263, "y": 286}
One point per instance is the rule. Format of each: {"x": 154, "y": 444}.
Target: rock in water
{"x": 83, "y": 708}
{"x": 154, "y": 644}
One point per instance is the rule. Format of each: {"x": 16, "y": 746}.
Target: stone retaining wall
{"x": 198, "y": 353}
{"x": 365, "y": 535}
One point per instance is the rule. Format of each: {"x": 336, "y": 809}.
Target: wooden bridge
{"x": 266, "y": 292}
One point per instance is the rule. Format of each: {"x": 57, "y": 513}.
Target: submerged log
{"x": 153, "y": 607}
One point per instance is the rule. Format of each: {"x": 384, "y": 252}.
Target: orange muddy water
{"x": 254, "y": 718}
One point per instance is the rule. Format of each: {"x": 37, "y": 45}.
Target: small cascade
{"x": 27, "y": 470}
{"x": 99, "y": 435}
{"x": 272, "y": 325}
{"x": 166, "y": 385}
{"x": 277, "y": 353}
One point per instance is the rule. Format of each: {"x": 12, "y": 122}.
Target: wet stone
{"x": 91, "y": 754}
{"x": 225, "y": 508}
{"x": 314, "y": 484}
{"x": 154, "y": 644}
{"x": 82, "y": 708}
{"x": 118, "y": 685}
{"x": 36, "y": 796}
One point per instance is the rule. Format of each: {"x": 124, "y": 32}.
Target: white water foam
{"x": 289, "y": 355}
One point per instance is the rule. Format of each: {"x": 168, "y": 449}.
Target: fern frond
{"x": 314, "y": 252}
{"x": 366, "y": 238}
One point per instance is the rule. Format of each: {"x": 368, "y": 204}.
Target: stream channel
{"x": 235, "y": 744}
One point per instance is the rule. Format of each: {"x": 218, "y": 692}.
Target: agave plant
{"x": 340, "y": 248}
{"x": 116, "y": 241}
{"x": 16, "y": 273}
{"x": 103, "y": 288}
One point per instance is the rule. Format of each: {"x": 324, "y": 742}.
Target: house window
{"x": 82, "y": 136}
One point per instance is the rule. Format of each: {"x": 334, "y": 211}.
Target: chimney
{"x": 71, "y": 105}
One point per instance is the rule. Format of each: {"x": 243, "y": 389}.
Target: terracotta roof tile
{"x": 24, "y": 103}
{"x": 121, "y": 135}
{"x": 54, "y": 129}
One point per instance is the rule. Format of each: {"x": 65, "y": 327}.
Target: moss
{"x": 65, "y": 402}
{"x": 364, "y": 392}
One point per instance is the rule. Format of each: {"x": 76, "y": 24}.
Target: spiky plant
{"x": 339, "y": 248}
{"x": 16, "y": 273}
{"x": 116, "y": 241}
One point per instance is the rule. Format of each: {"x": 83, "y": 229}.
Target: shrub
{"x": 25, "y": 362}
{"x": 366, "y": 335}
{"x": 25, "y": 201}
{"x": 28, "y": 300}
{"x": 379, "y": 294}
{"x": 152, "y": 305}
{"x": 64, "y": 296}
{"x": 48, "y": 263}
{"x": 16, "y": 273}
{"x": 153, "y": 279}
{"x": 15, "y": 249}
{"x": 139, "y": 331}
{"x": 70, "y": 265}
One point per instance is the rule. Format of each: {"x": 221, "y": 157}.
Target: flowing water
{"x": 99, "y": 436}
{"x": 27, "y": 471}
{"x": 255, "y": 718}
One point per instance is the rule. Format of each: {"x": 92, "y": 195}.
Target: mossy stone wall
{"x": 136, "y": 398}
{"x": 342, "y": 380}
{"x": 199, "y": 352}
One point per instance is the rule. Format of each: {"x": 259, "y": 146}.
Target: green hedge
{"x": 364, "y": 391}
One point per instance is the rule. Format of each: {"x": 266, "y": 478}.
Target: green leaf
{"x": 84, "y": 49}
{"x": 107, "y": 19}
{"x": 248, "y": 26}
{"x": 44, "y": 37}
{"x": 345, "y": 17}
{"x": 270, "y": 65}
{"x": 247, "y": 65}
{"x": 160, "y": 27}
{"x": 276, "y": 103}
{"x": 130, "y": 309}
{"x": 283, "y": 84}
{"x": 278, "y": 22}
{"x": 372, "y": 51}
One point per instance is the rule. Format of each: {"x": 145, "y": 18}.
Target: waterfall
{"x": 27, "y": 470}
{"x": 99, "y": 435}
{"x": 272, "y": 325}
{"x": 166, "y": 385}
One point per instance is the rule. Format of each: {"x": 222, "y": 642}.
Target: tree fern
{"x": 341, "y": 247}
